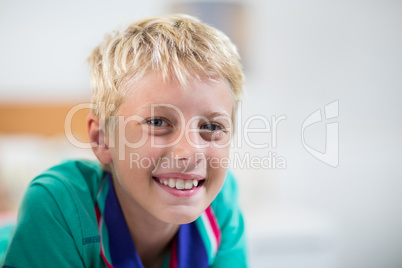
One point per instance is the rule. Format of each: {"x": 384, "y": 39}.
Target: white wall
{"x": 302, "y": 55}
{"x": 44, "y": 44}
{"x": 306, "y": 54}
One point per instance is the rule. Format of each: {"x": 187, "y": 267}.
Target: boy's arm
{"x": 232, "y": 251}
{"x": 42, "y": 237}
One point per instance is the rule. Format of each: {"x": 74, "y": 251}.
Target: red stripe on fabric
{"x": 108, "y": 265}
{"x": 98, "y": 217}
{"x": 173, "y": 254}
{"x": 98, "y": 214}
{"x": 214, "y": 224}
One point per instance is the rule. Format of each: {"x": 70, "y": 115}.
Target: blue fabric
{"x": 122, "y": 249}
{"x": 190, "y": 247}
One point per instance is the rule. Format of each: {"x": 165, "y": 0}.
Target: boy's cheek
{"x": 130, "y": 135}
{"x": 218, "y": 164}
{"x": 133, "y": 137}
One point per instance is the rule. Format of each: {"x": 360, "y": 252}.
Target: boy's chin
{"x": 183, "y": 216}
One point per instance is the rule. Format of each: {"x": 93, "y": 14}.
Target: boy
{"x": 164, "y": 95}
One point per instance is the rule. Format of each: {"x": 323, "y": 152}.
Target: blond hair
{"x": 177, "y": 46}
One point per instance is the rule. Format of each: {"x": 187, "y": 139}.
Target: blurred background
{"x": 299, "y": 56}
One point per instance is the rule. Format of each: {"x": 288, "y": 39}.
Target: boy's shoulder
{"x": 57, "y": 214}
{"x": 227, "y": 199}
{"x": 79, "y": 177}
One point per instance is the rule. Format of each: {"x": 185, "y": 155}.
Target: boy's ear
{"x": 97, "y": 139}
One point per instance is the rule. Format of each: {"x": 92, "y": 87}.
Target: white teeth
{"x": 172, "y": 183}
{"x": 180, "y": 184}
{"x": 188, "y": 184}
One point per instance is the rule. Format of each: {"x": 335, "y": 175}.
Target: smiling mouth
{"x": 180, "y": 184}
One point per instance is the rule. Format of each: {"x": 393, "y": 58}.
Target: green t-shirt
{"x": 57, "y": 225}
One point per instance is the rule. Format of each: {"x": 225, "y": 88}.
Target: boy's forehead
{"x": 156, "y": 78}
{"x": 153, "y": 93}
{"x": 156, "y": 86}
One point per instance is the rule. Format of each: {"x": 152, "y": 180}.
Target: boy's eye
{"x": 157, "y": 126}
{"x": 157, "y": 122}
{"x": 211, "y": 127}
{"x": 212, "y": 131}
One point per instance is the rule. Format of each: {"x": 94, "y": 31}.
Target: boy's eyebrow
{"x": 219, "y": 114}
{"x": 148, "y": 106}
{"x": 164, "y": 106}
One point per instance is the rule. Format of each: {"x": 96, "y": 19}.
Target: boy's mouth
{"x": 180, "y": 184}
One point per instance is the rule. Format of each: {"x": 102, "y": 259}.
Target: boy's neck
{"x": 151, "y": 237}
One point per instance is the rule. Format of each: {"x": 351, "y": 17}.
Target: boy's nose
{"x": 188, "y": 147}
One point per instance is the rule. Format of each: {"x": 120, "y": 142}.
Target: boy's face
{"x": 171, "y": 148}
